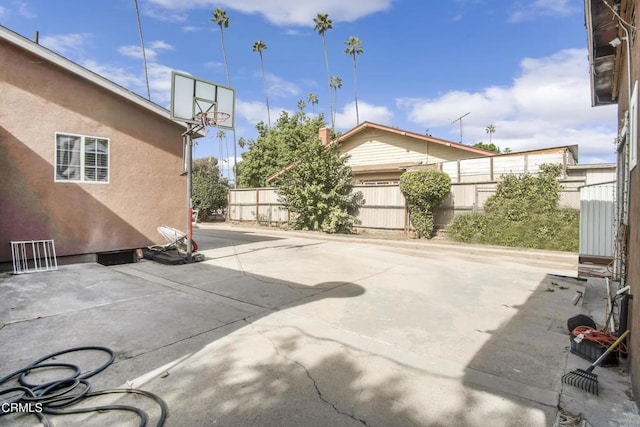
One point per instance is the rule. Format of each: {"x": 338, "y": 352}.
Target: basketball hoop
{"x": 212, "y": 118}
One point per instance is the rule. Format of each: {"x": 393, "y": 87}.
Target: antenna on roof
{"x": 459, "y": 119}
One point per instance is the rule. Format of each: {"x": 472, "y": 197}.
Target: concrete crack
{"x": 313, "y": 381}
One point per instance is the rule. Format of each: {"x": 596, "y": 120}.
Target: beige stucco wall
{"x": 145, "y": 190}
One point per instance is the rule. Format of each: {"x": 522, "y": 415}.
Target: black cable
{"x": 56, "y": 398}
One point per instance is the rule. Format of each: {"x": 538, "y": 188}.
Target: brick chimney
{"x": 325, "y": 136}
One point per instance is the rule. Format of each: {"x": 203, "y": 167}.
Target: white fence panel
{"x": 597, "y": 229}
{"x": 507, "y": 165}
{"x": 474, "y": 170}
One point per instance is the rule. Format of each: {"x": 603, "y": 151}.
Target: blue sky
{"x": 519, "y": 65}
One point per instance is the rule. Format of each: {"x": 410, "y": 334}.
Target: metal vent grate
{"x": 32, "y": 256}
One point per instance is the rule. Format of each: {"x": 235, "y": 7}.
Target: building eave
{"x": 602, "y": 28}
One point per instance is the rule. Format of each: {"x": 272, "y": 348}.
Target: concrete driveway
{"x": 283, "y": 329}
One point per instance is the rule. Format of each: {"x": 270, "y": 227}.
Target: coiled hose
{"x": 58, "y": 397}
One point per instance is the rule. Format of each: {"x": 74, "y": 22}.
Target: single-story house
{"x": 84, "y": 161}
{"x": 380, "y": 154}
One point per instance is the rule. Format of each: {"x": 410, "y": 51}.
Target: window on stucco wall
{"x": 81, "y": 158}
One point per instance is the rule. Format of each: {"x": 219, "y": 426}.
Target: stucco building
{"x": 84, "y": 161}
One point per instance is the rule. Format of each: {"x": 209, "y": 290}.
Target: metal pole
{"x": 189, "y": 139}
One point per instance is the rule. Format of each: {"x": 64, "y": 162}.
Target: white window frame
{"x": 633, "y": 127}
{"x": 84, "y": 141}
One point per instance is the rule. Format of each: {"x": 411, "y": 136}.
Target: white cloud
{"x": 151, "y": 50}
{"x": 118, "y": 75}
{"x": 537, "y": 8}
{"x": 159, "y": 45}
{"x": 165, "y": 14}
{"x": 65, "y": 43}
{"x": 547, "y": 105}
{"x": 214, "y": 65}
{"x": 278, "y": 87}
{"x": 135, "y": 52}
{"x": 346, "y": 119}
{"x": 285, "y": 12}
{"x": 254, "y": 111}
{"x": 4, "y": 12}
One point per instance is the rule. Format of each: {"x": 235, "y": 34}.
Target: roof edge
{"x": 95, "y": 78}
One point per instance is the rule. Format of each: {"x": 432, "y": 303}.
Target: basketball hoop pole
{"x": 189, "y": 138}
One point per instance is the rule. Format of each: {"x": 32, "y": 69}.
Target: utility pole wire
{"x": 144, "y": 54}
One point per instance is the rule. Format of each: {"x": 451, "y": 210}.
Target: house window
{"x": 81, "y": 158}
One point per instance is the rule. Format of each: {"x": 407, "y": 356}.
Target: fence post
{"x": 490, "y": 168}
{"x": 258, "y": 205}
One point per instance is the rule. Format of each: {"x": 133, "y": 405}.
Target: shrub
{"x": 524, "y": 212}
{"x": 424, "y": 190}
{"x": 317, "y": 190}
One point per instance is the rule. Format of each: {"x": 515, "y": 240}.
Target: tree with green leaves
{"x": 323, "y": 24}
{"x": 301, "y": 105}
{"x": 312, "y": 99}
{"x": 424, "y": 190}
{"x": 259, "y": 46}
{"x": 221, "y": 135}
{"x": 354, "y": 47}
{"x": 222, "y": 20}
{"x": 210, "y": 190}
{"x": 335, "y": 83}
{"x": 318, "y": 191}
{"x": 491, "y": 129}
{"x": 277, "y": 147}
{"x": 488, "y": 147}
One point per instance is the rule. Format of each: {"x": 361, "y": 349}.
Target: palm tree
{"x": 221, "y": 135}
{"x": 354, "y": 47}
{"x": 491, "y": 129}
{"x": 312, "y": 99}
{"x": 144, "y": 54}
{"x": 259, "y": 46}
{"x": 220, "y": 17}
{"x": 323, "y": 23}
{"x": 301, "y": 105}
{"x": 335, "y": 83}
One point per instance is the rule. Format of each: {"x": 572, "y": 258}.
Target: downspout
{"x": 627, "y": 151}
{"x": 625, "y": 173}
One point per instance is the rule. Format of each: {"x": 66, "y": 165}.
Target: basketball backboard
{"x": 191, "y": 97}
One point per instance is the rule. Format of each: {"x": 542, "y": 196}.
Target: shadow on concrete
{"x": 525, "y": 357}
{"x": 217, "y": 345}
{"x": 213, "y": 239}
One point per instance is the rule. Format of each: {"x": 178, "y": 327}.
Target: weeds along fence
{"x": 385, "y": 207}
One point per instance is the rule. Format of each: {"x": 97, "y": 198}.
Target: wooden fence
{"x": 384, "y": 206}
